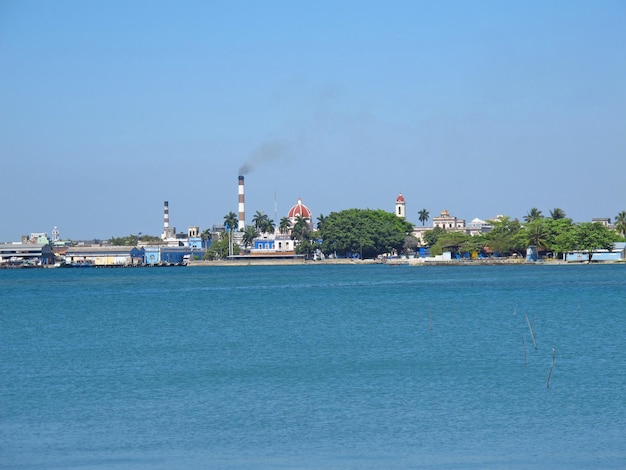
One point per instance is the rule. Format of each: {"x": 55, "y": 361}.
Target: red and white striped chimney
{"x": 242, "y": 213}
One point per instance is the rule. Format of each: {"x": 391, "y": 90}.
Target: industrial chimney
{"x": 242, "y": 213}
{"x": 166, "y": 218}
{"x": 167, "y": 231}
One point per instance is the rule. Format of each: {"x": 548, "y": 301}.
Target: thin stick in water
{"x": 532, "y": 335}
{"x": 430, "y": 319}
{"x": 551, "y": 367}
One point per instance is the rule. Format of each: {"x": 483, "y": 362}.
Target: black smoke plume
{"x": 267, "y": 152}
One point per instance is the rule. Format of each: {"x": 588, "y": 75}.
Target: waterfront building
{"x": 26, "y": 254}
{"x": 104, "y": 256}
{"x": 617, "y": 253}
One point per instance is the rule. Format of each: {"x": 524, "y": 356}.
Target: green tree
{"x": 130, "y": 240}
{"x": 559, "y": 238}
{"x": 424, "y": 215}
{"x": 536, "y": 233}
{"x": 320, "y": 221}
{"x": 474, "y": 244}
{"x": 301, "y": 229}
{"x": 557, "y": 213}
{"x": 220, "y": 249}
{"x": 206, "y": 235}
{"x": 564, "y": 241}
{"x": 449, "y": 241}
{"x": 364, "y": 231}
{"x": 230, "y": 223}
{"x": 260, "y": 221}
{"x": 284, "y": 226}
{"x": 431, "y": 236}
{"x": 503, "y": 238}
{"x": 533, "y": 214}
{"x": 590, "y": 236}
{"x": 620, "y": 223}
{"x": 270, "y": 226}
{"x": 249, "y": 234}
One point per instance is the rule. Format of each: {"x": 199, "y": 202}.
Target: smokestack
{"x": 166, "y": 219}
{"x": 242, "y": 213}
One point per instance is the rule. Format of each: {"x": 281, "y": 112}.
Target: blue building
{"x": 264, "y": 244}
{"x": 167, "y": 255}
{"x": 616, "y": 254}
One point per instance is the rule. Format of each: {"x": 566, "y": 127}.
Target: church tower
{"x": 400, "y": 207}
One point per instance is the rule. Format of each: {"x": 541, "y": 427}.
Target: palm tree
{"x": 424, "y": 215}
{"x": 320, "y": 221}
{"x": 249, "y": 235}
{"x": 533, "y": 214}
{"x": 537, "y": 235}
{"x": 557, "y": 213}
{"x": 270, "y": 226}
{"x": 206, "y": 236}
{"x": 620, "y": 223}
{"x": 284, "y": 226}
{"x": 260, "y": 221}
{"x": 300, "y": 229}
{"x": 230, "y": 222}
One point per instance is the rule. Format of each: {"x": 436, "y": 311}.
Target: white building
{"x": 449, "y": 222}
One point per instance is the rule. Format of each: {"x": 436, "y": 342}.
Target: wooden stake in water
{"x": 524, "y": 342}
{"x": 430, "y": 319}
{"x": 551, "y": 367}
{"x": 532, "y": 335}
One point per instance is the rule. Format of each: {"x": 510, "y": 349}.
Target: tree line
{"x": 554, "y": 236}
{"x": 367, "y": 233}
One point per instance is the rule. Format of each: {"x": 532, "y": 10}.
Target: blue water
{"x": 325, "y": 367}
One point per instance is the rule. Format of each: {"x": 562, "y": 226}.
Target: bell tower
{"x": 400, "y": 207}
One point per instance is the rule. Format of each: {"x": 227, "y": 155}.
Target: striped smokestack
{"x": 166, "y": 220}
{"x": 242, "y": 213}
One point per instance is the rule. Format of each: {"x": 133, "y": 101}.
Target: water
{"x": 319, "y": 367}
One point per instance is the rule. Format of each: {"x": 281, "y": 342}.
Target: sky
{"x": 485, "y": 108}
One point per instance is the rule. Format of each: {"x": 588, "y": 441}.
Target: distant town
{"x": 297, "y": 238}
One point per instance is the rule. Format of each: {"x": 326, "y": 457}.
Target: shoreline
{"x": 393, "y": 262}
{"x": 413, "y": 262}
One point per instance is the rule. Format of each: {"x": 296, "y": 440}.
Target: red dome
{"x": 400, "y": 198}
{"x": 299, "y": 210}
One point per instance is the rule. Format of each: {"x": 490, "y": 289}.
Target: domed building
{"x": 300, "y": 210}
{"x": 281, "y": 244}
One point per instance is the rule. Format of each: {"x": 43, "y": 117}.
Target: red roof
{"x": 400, "y": 198}
{"x": 299, "y": 210}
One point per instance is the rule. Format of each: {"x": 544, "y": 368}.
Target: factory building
{"x": 26, "y": 254}
{"x": 105, "y": 256}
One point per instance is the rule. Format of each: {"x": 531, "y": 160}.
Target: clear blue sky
{"x": 109, "y": 108}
